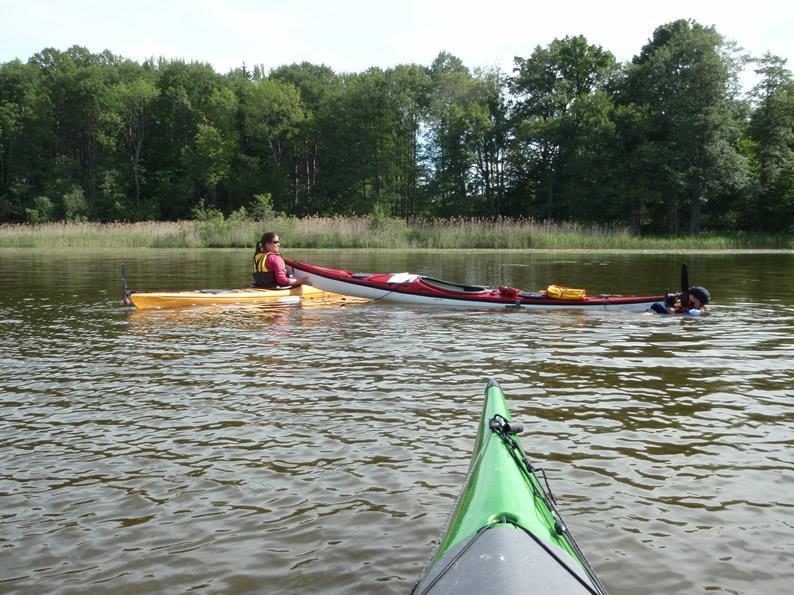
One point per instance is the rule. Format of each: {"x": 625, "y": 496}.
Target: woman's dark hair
{"x": 267, "y": 237}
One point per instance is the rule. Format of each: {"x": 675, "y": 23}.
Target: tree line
{"x": 666, "y": 143}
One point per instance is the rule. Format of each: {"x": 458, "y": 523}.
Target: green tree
{"x": 10, "y": 124}
{"x": 189, "y": 96}
{"x": 75, "y": 207}
{"x": 371, "y": 123}
{"x": 25, "y": 138}
{"x": 467, "y": 120}
{"x": 369, "y": 139}
{"x": 311, "y": 149}
{"x": 78, "y": 85}
{"x": 41, "y": 211}
{"x": 772, "y": 132}
{"x": 683, "y": 84}
{"x": 133, "y": 98}
{"x": 489, "y": 138}
{"x": 410, "y": 85}
{"x": 450, "y": 159}
{"x": 207, "y": 161}
{"x": 271, "y": 116}
{"x": 561, "y": 117}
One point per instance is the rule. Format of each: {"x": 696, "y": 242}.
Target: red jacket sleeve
{"x": 275, "y": 264}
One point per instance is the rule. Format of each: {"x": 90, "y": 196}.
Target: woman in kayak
{"x": 268, "y": 268}
{"x": 691, "y": 302}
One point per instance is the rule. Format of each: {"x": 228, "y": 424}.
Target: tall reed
{"x": 369, "y": 233}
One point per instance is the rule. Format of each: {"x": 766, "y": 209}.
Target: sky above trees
{"x": 353, "y": 35}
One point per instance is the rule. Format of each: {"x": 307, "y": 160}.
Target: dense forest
{"x": 667, "y": 143}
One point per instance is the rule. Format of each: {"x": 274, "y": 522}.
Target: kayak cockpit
{"x": 453, "y": 287}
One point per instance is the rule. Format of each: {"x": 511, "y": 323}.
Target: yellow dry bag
{"x": 565, "y": 293}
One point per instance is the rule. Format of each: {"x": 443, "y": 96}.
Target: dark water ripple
{"x": 319, "y": 449}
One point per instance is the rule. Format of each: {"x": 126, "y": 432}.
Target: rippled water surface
{"x": 289, "y": 449}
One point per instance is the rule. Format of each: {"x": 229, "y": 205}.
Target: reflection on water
{"x": 320, "y": 448}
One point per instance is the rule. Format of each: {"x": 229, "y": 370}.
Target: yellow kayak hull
{"x": 209, "y": 297}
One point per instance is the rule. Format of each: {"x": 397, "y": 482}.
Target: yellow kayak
{"x": 208, "y": 297}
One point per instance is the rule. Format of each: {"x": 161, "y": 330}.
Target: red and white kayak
{"x": 406, "y": 288}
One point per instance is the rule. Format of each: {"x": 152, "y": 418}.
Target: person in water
{"x": 692, "y": 301}
{"x": 268, "y": 269}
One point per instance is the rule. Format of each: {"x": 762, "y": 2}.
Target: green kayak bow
{"x": 505, "y": 535}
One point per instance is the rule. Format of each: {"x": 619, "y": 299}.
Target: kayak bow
{"x": 505, "y": 535}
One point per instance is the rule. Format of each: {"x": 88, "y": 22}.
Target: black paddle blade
{"x": 125, "y": 292}
{"x": 684, "y": 286}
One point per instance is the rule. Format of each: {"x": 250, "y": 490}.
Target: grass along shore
{"x": 369, "y": 233}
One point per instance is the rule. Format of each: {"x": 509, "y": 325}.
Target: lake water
{"x": 300, "y": 449}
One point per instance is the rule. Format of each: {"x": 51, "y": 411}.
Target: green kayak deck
{"x": 505, "y": 535}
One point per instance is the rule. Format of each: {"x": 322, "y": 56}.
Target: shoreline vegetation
{"x": 664, "y": 144}
{"x": 372, "y": 233}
